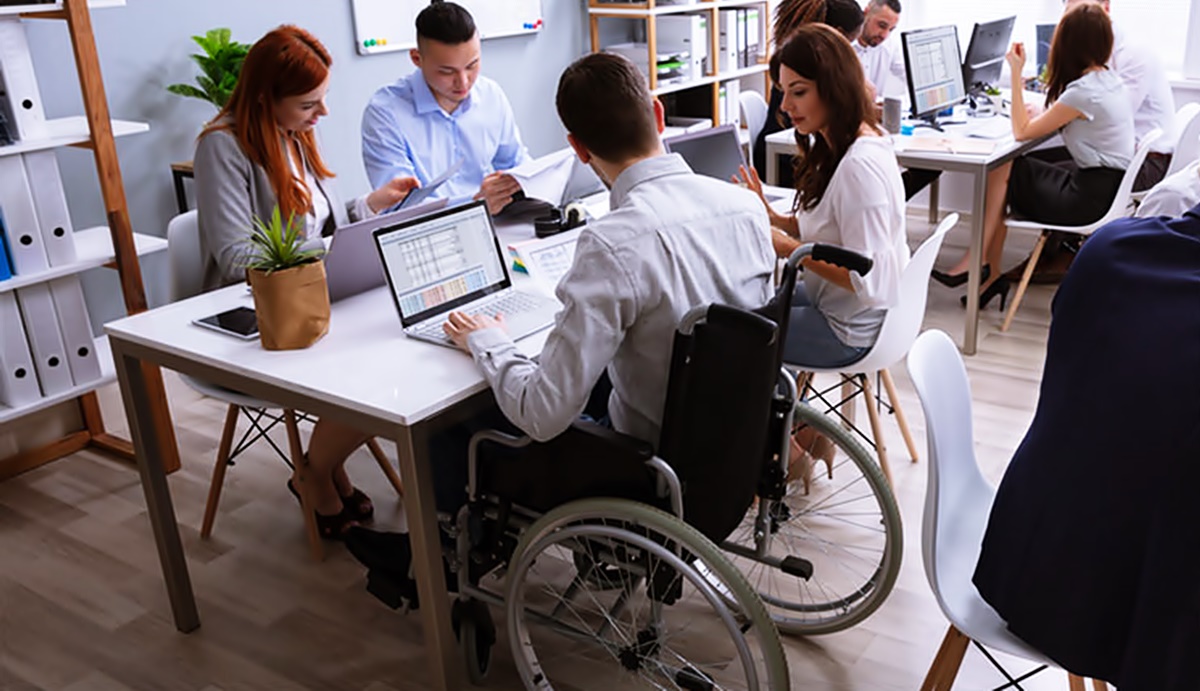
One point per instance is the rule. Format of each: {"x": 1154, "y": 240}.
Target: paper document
{"x": 423, "y": 192}
{"x": 547, "y": 259}
{"x": 545, "y": 178}
{"x": 950, "y": 145}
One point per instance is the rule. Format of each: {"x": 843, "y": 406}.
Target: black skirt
{"x": 1046, "y": 186}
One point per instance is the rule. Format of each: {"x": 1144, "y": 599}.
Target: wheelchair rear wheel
{"x": 656, "y": 620}
{"x": 846, "y": 526}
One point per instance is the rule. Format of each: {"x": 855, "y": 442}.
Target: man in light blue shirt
{"x": 445, "y": 112}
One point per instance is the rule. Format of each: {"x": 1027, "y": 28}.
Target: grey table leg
{"x": 412, "y": 448}
{"x": 132, "y": 380}
{"x": 971, "y": 333}
{"x": 772, "y": 165}
{"x": 935, "y": 189}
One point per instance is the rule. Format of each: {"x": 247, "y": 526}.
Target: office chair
{"x": 1187, "y": 147}
{"x": 900, "y": 327}
{"x": 958, "y": 501}
{"x": 187, "y": 278}
{"x": 1119, "y": 208}
{"x": 754, "y": 113}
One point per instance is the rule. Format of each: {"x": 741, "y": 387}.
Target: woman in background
{"x": 261, "y": 152}
{"x": 1087, "y": 104}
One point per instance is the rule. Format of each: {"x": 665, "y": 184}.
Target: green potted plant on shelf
{"x": 291, "y": 297}
{"x": 220, "y": 65}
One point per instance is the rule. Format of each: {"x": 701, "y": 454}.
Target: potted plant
{"x": 291, "y": 298}
{"x": 220, "y": 65}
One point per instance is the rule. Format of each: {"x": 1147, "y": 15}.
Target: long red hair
{"x": 288, "y": 61}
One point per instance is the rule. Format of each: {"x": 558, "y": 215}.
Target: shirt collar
{"x": 643, "y": 171}
{"x": 424, "y": 100}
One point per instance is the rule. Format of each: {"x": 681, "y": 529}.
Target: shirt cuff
{"x": 487, "y": 343}
{"x": 361, "y": 209}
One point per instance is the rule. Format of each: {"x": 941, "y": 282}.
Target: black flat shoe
{"x": 955, "y": 280}
{"x": 329, "y": 527}
{"x": 998, "y": 287}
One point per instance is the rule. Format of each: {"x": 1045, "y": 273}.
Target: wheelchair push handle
{"x": 832, "y": 254}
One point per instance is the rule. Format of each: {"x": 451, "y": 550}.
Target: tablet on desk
{"x": 239, "y": 322}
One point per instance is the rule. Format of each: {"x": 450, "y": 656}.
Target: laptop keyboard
{"x": 509, "y": 304}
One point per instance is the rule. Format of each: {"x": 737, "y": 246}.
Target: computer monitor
{"x": 935, "y": 79}
{"x": 1045, "y": 34}
{"x": 985, "y": 53}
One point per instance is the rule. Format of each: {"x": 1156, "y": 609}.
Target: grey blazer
{"x": 230, "y": 191}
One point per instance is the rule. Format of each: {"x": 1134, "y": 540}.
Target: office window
{"x": 1161, "y": 24}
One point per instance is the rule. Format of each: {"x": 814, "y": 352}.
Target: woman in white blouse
{"x": 261, "y": 152}
{"x": 1088, "y": 104}
{"x": 848, "y": 193}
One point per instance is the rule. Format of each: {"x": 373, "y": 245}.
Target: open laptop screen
{"x": 715, "y": 152}
{"x": 437, "y": 263}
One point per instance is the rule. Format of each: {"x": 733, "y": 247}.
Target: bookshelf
{"x": 113, "y": 245}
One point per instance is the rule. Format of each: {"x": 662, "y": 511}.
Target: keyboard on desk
{"x": 511, "y": 304}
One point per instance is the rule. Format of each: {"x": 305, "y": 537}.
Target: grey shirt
{"x": 674, "y": 240}
{"x": 1105, "y": 136}
{"x": 230, "y": 191}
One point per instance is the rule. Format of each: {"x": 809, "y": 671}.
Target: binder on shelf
{"x": 18, "y": 380}
{"x": 76, "y": 329}
{"x": 26, "y": 251}
{"x": 22, "y": 100}
{"x": 729, "y": 42}
{"x": 45, "y": 182}
{"x": 742, "y": 37}
{"x": 754, "y": 33}
{"x": 686, "y": 34}
{"x": 45, "y": 338}
{"x": 731, "y": 113}
{"x": 5, "y": 266}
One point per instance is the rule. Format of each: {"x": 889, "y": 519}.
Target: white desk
{"x": 365, "y": 372}
{"x": 978, "y": 166}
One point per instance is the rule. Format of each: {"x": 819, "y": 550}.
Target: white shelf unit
{"x": 108, "y": 375}
{"x": 69, "y": 131}
{"x": 93, "y": 247}
{"x": 649, "y": 11}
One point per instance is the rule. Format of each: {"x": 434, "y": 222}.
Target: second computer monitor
{"x": 935, "y": 79}
{"x": 985, "y": 53}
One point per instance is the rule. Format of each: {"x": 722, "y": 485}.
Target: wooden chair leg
{"x": 306, "y": 506}
{"x": 386, "y": 466}
{"x": 902, "y": 421}
{"x": 218, "y": 475}
{"x": 1075, "y": 683}
{"x": 944, "y": 668}
{"x": 848, "y": 394}
{"x": 877, "y": 429}
{"x": 1029, "y": 267}
{"x": 1099, "y": 685}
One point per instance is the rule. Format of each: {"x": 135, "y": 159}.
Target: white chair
{"x": 1118, "y": 208}
{"x": 900, "y": 327}
{"x": 754, "y": 113}
{"x": 1187, "y": 147}
{"x": 186, "y": 280}
{"x": 958, "y": 501}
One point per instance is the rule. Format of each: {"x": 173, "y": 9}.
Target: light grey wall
{"x": 144, "y": 47}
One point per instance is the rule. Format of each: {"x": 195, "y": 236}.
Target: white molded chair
{"x": 1187, "y": 147}
{"x": 900, "y": 328}
{"x": 1118, "y": 208}
{"x": 754, "y": 113}
{"x": 187, "y": 279}
{"x": 958, "y": 501}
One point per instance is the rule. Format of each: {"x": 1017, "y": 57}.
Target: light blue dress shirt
{"x": 405, "y": 132}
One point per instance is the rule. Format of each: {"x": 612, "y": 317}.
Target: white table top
{"x": 365, "y": 363}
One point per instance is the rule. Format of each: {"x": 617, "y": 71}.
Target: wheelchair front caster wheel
{"x": 476, "y": 636}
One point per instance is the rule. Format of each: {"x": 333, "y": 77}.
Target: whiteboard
{"x": 387, "y": 25}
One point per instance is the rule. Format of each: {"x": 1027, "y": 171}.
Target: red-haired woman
{"x": 260, "y": 151}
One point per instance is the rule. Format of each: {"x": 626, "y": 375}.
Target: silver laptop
{"x": 451, "y": 260}
{"x": 713, "y": 151}
{"x": 352, "y": 263}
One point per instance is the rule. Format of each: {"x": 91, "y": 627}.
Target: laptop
{"x": 352, "y": 264}
{"x": 715, "y": 152}
{"x": 451, "y": 260}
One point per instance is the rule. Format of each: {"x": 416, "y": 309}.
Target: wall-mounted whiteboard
{"x": 384, "y": 25}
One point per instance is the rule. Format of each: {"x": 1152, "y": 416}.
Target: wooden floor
{"x": 83, "y": 606}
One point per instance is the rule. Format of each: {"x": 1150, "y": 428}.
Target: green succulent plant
{"x": 220, "y": 65}
{"x": 275, "y": 245}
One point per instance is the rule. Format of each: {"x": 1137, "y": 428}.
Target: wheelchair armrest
{"x": 496, "y": 436}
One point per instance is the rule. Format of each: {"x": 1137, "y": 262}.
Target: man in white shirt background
{"x": 883, "y": 62}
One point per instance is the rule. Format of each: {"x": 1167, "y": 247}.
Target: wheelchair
{"x": 604, "y": 554}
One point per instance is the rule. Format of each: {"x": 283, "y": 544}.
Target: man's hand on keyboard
{"x": 459, "y": 325}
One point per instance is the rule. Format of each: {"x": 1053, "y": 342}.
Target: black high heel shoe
{"x": 998, "y": 287}
{"x": 955, "y": 280}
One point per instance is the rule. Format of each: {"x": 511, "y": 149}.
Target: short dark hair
{"x": 844, "y": 15}
{"x": 893, "y": 5}
{"x": 445, "y": 22}
{"x": 604, "y": 102}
